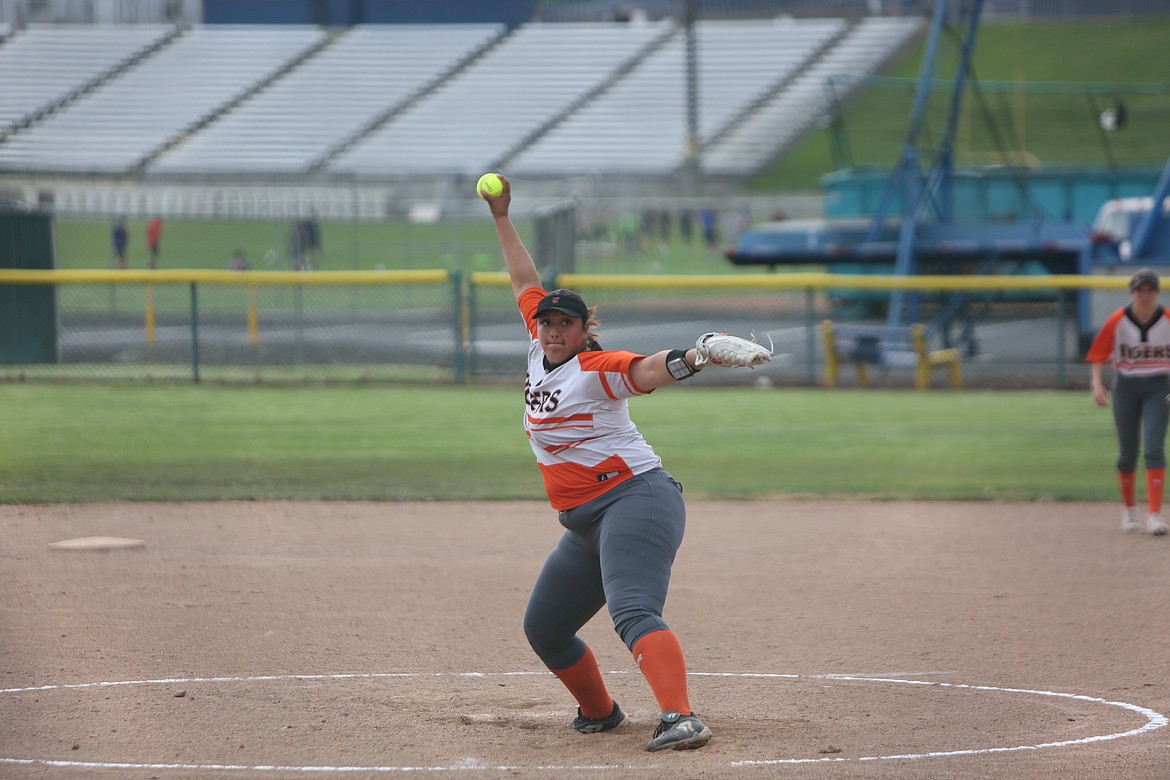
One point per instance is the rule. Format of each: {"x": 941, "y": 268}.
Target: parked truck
{"x": 1128, "y": 233}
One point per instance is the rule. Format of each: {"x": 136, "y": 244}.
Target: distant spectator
{"x": 296, "y": 246}
{"x": 310, "y": 230}
{"x": 664, "y": 228}
{"x": 686, "y": 226}
{"x": 154, "y": 240}
{"x": 120, "y": 238}
{"x": 313, "y": 235}
{"x": 239, "y": 261}
{"x": 710, "y": 220}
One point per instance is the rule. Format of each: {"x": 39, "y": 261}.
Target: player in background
{"x": 623, "y": 514}
{"x": 154, "y": 240}
{"x": 119, "y": 240}
{"x": 1135, "y": 339}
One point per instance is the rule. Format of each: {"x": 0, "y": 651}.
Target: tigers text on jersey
{"x": 578, "y": 420}
{"x": 1134, "y": 349}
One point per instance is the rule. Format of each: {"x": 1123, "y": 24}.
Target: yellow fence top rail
{"x": 195, "y": 276}
{"x": 810, "y": 280}
{"x": 821, "y": 280}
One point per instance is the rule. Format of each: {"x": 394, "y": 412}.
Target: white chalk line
{"x": 1154, "y": 720}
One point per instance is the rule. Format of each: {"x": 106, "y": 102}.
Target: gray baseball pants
{"x": 617, "y": 550}
{"x": 1140, "y": 412}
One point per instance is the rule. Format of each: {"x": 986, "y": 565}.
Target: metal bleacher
{"x": 44, "y": 66}
{"x": 136, "y": 113}
{"x": 758, "y": 138}
{"x": 367, "y": 72}
{"x": 546, "y": 100}
{"x": 639, "y": 126}
{"x": 471, "y": 122}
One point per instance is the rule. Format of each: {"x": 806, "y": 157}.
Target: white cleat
{"x": 1129, "y": 520}
{"x": 1156, "y": 525}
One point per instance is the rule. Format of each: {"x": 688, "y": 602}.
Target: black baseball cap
{"x": 1144, "y": 276}
{"x": 564, "y": 301}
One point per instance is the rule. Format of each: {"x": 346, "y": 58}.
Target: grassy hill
{"x": 1075, "y": 70}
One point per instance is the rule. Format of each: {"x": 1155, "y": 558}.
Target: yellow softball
{"x": 489, "y": 186}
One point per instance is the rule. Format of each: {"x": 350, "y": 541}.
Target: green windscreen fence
{"x": 28, "y": 313}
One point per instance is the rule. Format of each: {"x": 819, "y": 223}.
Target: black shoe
{"x": 587, "y": 725}
{"x": 679, "y": 732}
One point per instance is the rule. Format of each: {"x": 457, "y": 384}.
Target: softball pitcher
{"x": 622, "y": 513}
{"x": 1136, "y": 340}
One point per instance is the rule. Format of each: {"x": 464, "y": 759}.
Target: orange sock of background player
{"x": 1126, "y": 481}
{"x": 660, "y": 658}
{"x": 583, "y": 679}
{"x": 1155, "y": 483}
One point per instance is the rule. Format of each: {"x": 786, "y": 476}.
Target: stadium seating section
{"x": 368, "y": 102}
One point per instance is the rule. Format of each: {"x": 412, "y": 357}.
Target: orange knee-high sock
{"x": 1126, "y": 480}
{"x": 583, "y": 679}
{"x": 1155, "y": 483}
{"x": 660, "y": 658}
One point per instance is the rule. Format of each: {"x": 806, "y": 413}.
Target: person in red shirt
{"x": 154, "y": 240}
{"x": 1135, "y": 340}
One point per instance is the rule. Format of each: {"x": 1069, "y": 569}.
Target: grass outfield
{"x": 347, "y": 246}
{"x": 467, "y": 245}
{"x": 84, "y": 443}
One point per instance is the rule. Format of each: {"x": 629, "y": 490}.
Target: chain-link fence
{"x": 446, "y": 327}
{"x": 239, "y": 326}
{"x": 1010, "y": 332}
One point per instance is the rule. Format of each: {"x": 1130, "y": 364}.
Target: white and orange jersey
{"x": 578, "y": 420}
{"x": 1132, "y": 348}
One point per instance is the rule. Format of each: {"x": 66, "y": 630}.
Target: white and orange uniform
{"x": 1140, "y": 355}
{"x": 578, "y": 421}
{"x": 1133, "y": 349}
{"x": 623, "y": 514}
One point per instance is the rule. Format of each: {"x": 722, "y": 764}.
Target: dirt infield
{"x": 824, "y": 640}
